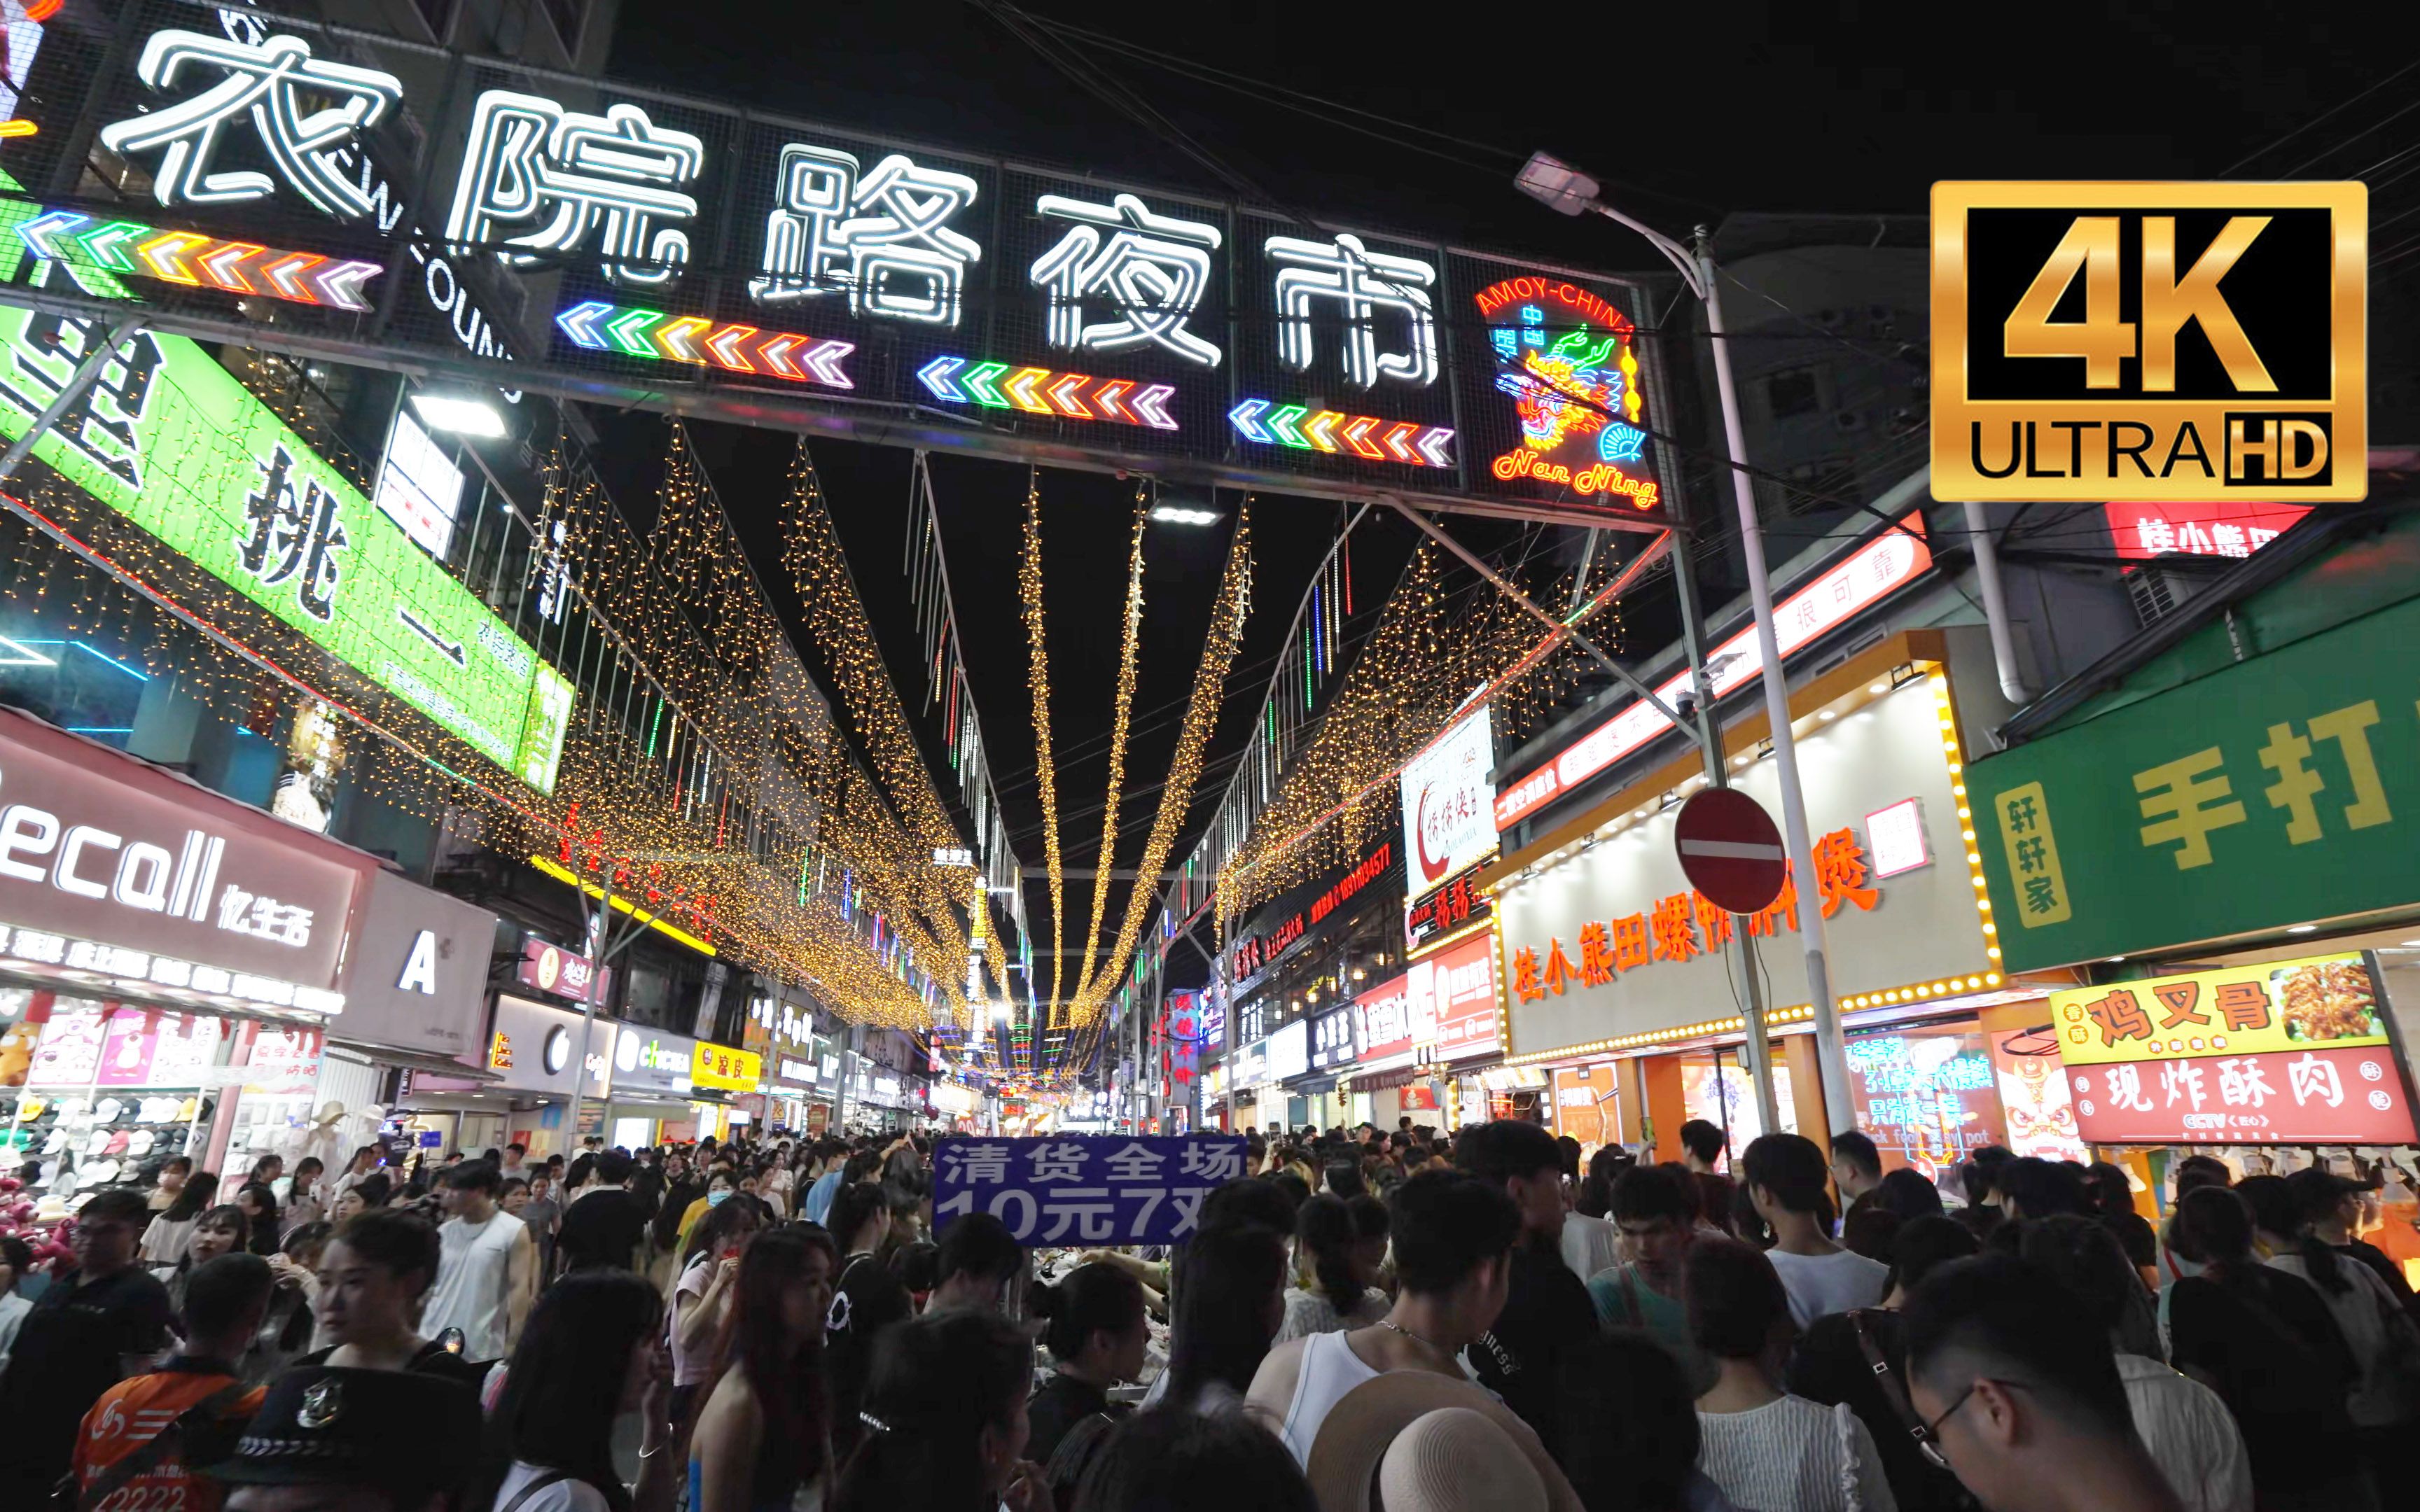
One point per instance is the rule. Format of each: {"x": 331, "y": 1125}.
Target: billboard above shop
{"x": 1449, "y": 804}
{"x": 652, "y": 244}
{"x": 1612, "y": 940}
{"x": 2284, "y": 1052}
{"x": 1452, "y": 1002}
{"x": 2273, "y": 792}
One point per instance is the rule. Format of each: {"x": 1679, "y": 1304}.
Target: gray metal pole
{"x": 88, "y": 370}
{"x": 600, "y": 921}
{"x": 1831, "y": 1058}
{"x": 1747, "y": 981}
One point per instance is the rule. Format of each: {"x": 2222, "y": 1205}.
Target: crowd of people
{"x": 1363, "y": 1319}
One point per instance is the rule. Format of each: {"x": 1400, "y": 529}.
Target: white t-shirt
{"x": 1823, "y": 1284}
{"x": 1590, "y": 1244}
{"x": 2191, "y": 1436}
{"x": 1794, "y": 1455}
{"x": 567, "y": 1495}
{"x": 472, "y": 1275}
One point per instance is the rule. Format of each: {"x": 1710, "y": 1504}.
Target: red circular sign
{"x": 1730, "y": 850}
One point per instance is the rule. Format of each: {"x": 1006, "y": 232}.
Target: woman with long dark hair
{"x": 946, "y": 1427}
{"x": 591, "y": 1351}
{"x": 263, "y": 1224}
{"x": 164, "y": 1239}
{"x": 701, "y": 1300}
{"x": 1333, "y": 1290}
{"x": 2383, "y": 1401}
{"x": 222, "y": 1230}
{"x": 764, "y": 1430}
{"x": 1230, "y": 1300}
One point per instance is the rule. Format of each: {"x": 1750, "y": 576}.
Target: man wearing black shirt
{"x": 866, "y": 1300}
{"x": 98, "y": 1322}
{"x": 1548, "y": 1310}
{"x": 604, "y": 1224}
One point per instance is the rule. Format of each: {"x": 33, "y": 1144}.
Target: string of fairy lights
{"x": 1028, "y": 593}
{"x": 1121, "y": 717}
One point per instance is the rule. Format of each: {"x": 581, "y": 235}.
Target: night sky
{"x": 1684, "y": 111}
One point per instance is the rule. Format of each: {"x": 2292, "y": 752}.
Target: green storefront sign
{"x": 170, "y": 440}
{"x": 2277, "y": 791}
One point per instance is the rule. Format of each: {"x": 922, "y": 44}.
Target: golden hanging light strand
{"x": 1127, "y": 657}
{"x": 1226, "y": 638}
{"x": 1029, "y": 589}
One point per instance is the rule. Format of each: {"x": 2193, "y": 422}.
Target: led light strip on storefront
{"x": 105, "y": 964}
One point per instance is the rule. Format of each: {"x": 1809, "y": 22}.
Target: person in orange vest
{"x": 144, "y": 1433}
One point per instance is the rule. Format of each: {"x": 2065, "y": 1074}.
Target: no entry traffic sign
{"x": 1730, "y": 850}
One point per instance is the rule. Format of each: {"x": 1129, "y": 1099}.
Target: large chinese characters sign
{"x": 653, "y": 241}
{"x": 2286, "y": 1051}
{"x": 1084, "y": 1189}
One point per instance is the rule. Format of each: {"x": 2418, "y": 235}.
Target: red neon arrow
{"x": 1066, "y": 402}
{"x": 775, "y": 354}
{"x": 1393, "y": 442}
{"x": 286, "y": 274}
{"x": 1111, "y": 396}
{"x": 1356, "y": 435}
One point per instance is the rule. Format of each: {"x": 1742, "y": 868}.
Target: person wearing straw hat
{"x": 1412, "y": 1441}
{"x": 1453, "y": 1236}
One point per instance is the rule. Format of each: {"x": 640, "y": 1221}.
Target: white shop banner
{"x": 1449, "y": 804}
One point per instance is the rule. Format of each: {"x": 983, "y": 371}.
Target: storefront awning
{"x": 374, "y": 1056}
{"x": 1379, "y": 1081}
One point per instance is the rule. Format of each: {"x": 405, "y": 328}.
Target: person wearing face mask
{"x": 721, "y": 1184}
{"x": 1097, "y": 1335}
{"x": 701, "y": 1300}
{"x": 593, "y": 1353}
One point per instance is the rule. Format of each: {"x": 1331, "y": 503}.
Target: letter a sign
{"x": 2140, "y": 343}
{"x": 420, "y": 966}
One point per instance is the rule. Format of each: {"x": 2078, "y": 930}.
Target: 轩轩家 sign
{"x": 1084, "y": 1189}
{"x": 987, "y": 305}
{"x": 2275, "y": 791}
{"x": 2144, "y": 341}
{"x": 2284, "y": 1052}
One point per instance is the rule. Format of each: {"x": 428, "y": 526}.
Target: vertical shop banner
{"x": 2297, "y": 1052}
{"x": 1084, "y": 1189}
{"x": 2272, "y": 792}
{"x": 1449, "y": 804}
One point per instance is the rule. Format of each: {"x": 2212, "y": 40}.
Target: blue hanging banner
{"x": 1084, "y": 1189}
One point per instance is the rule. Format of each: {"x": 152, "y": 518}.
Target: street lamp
{"x": 1569, "y": 191}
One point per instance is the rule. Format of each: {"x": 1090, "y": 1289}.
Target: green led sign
{"x": 170, "y": 440}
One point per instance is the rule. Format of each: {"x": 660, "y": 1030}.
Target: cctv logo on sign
{"x": 2149, "y": 343}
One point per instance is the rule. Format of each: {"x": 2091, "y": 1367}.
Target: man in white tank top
{"x": 1453, "y": 1236}
{"x": 486, "y": 1274}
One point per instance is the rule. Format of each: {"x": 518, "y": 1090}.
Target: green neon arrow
{"x": 1280, "y": 424}
{"x": 106, "y": 244}
{"x": 628, "y": 331}
{"x": 977, "y": 381}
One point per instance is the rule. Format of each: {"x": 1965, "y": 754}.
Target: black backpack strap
{"x": 1077, "y": 1448}
{"x": 553, "y": 1478}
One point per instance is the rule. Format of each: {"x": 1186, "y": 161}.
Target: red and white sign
{"x": 550, "y": 968}
{"x": 1878, "y": 570}
{"x": 1729, "y": 849}
{"x": 1448, "y": 803}
{"x": 1383, "y": 1024}
{"x": 2318, "y": 1096}
{"x": 113, "y": 1046}
{"x": 1452, "y": 996}
{"x": 2213, "y": 530}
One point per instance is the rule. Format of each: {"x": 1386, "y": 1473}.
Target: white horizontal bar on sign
{"x": 1734, "y": 849}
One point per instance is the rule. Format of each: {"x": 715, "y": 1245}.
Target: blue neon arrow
{"x": 1246, "y": 417}
{"x": 936, "y": 377}
{"x": 579, "y": 323}
{"x": 40, "y": 231}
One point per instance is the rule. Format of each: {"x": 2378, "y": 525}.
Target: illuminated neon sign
{"x": 1566, "y": 357}
{"x": 201, "y": 261}
{"x": 1040, "y": 390}
{"x": 692, "y": 338}
{"x": 1332, "y": 431}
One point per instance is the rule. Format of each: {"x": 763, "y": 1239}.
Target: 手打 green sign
{"x": 2279, "y": 791}
{"x": 170, "y": 440}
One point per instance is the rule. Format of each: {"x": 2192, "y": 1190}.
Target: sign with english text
{"x": 1071, "y": 1190}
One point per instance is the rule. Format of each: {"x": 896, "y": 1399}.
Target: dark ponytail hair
{"x": 938, "y": 1380}
{"x": 2276, "y": 1208}
{"x": 1094, "y": 1296}
{"x": 2213, "y": 1227}
{"x": 1219, "y": 1323}
{"x": 1324, "y": 1235}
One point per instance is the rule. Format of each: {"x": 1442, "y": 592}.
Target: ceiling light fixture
{"x": 464, "y": 417}
{"x": 1173, "y": 515}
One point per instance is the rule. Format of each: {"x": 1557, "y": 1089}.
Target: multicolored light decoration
{"x": 199, "y": 261}
{"x": 733, "y": 347}
{"x": 1041, "y": 391}
{"x": 1337, "y": 434}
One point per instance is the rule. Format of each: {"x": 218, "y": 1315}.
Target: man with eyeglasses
{"x": 2019, "y": 1393}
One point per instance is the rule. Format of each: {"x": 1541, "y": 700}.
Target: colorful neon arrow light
{"x": 199, "y": 261}
{"x": 1336, "y": 433}
{"x": 1042, "y": 390}
{"x": 632, "y": 332}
